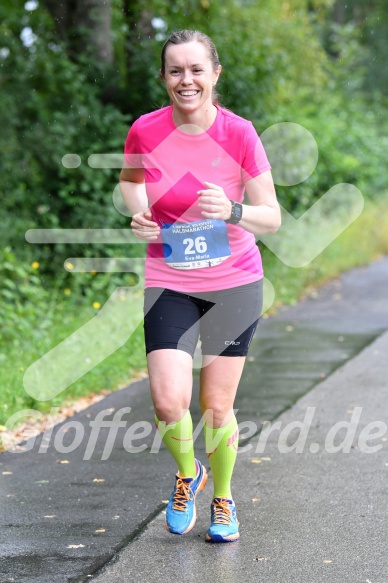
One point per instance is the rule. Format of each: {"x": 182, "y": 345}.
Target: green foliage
{"x": 37, "y": 313}
{"x": 264, "y": 72}
{"x": 49, "y": 109}
{"x": 261, "y": 53}
{"x": 352, "y": 144}
{"x": 358, "y": 29}
{"x": 275, "y": 68}
{"x": 24, "y": 302}
{"x": 362, "y": 242}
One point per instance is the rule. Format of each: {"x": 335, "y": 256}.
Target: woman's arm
{"x": 261, "y": 216}
{"x": 263, "y": 213}
{"x": 133, "y": 191}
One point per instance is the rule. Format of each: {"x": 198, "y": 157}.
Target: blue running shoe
{"x": 224, "y": 523}
{"x": 181, "y": 513}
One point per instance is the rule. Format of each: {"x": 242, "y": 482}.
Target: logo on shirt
{"x": 216, "y": 161}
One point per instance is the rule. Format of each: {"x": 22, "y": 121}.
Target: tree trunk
{"x": 60, "y": 11}
{"x": 92, "y": 20}
{"x": 86, "y": 26}
{"x": 339, "y": 12}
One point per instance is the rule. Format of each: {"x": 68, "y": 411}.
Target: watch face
{"x": 236, "y": 212}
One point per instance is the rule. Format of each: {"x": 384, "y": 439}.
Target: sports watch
{"x": 236, "y": 214}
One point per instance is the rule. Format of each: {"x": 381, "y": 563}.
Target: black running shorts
{"x": 224, "y": 320}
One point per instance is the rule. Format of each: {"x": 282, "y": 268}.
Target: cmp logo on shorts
{"x": 231, "y": 343}
{"x": 293, "y": 153}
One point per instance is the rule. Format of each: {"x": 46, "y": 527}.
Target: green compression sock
{"x": 221, "y": 447}
{"x": 178, "y": 438}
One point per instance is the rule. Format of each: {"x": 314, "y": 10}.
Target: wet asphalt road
{"x": 64, "y": 517}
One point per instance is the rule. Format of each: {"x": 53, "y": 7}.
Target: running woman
{"x": 187, "y": 166}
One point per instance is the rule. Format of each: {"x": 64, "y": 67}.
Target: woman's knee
{"x": 171, "y": 383}
{"x": 170, "y": 400}
{"x": 216, "y": 413}
{"x": 170, "y": 412}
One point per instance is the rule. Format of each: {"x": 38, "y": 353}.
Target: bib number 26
{"x": 197, "y": 245}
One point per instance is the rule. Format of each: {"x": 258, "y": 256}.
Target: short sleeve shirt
{"x": 176, "y": 165}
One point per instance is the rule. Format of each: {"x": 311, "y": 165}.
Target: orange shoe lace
{"x": 222, "y": 512}
{"x": 182, "y": 495}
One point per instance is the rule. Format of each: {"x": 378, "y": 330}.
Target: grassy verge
{"x": 363, "y": 241}
{"x": 113, "y": 372}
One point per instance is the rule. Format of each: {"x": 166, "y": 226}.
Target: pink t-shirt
{"x": 176, "y": 165}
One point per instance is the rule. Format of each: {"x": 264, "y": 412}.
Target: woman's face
{"x": 190, "y": 77}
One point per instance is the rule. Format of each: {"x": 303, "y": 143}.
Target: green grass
{"x": 113, "y": 372}
{"x": 363, "y": 241}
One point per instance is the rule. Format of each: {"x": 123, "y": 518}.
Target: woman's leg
{"x": 171, "y": 385}
{"x": 220, "y": 377}
{"x": 219, "y": 381}
{"x": 170, "y": 373}
{"x": 171, "y": 334}
{"x": 226, "y": 333}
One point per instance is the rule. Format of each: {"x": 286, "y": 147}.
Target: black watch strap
{"x": 236, "y": 214}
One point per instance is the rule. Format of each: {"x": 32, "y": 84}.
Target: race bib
{"x": 195, "y": 245}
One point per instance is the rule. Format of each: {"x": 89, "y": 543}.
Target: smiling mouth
{"x": 188, "y": 93}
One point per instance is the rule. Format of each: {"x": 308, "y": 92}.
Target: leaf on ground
{"x": 75, "y": 546}
{"x": 165, "y": 501}
{"x": 327, "y": 561}
{"x": 7, "y": 473}
{"x": 255, "y": 499}
{"x": 98, "y": 480}
{"x": 100, "y": 530}
{"x": 63, "y": 462}
{"x": 256, "y": 461}
{"x": 50, "y": 516}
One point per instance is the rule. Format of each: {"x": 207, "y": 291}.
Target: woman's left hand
{"x": 214, "y": 202}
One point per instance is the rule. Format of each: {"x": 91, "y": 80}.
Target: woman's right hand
{"x": 144, "y": 227}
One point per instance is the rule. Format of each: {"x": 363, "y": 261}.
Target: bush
{"x": 49, "y": 108}
{"x": 352, "y": 144}
{"x": 24, "y": 302}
